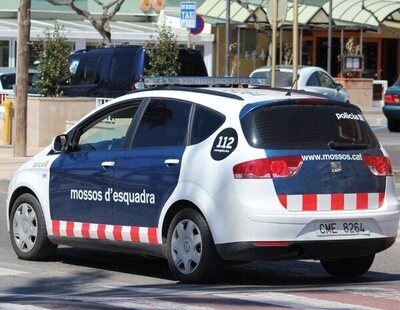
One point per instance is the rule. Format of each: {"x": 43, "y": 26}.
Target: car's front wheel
{"x": 348, "y": 267}
{"x": 28, "y": 232}
{"x": 191, "y": 252}
{"x": 393, "y": 125}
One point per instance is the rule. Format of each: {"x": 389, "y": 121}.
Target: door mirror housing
{"x": 60, "y": 143}
{"x": 339, "y": 86}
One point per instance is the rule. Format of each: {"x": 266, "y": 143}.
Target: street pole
{"x": 274, "y": 28}
{"x": 295, "y": 42}
{"x": 227, "y": 35}
{"x": 329, "y": 38}
{"x": 24, "y": 26}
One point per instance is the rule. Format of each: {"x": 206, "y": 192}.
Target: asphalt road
{"x": 90, "y": 279}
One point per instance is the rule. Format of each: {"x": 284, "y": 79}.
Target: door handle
{"x": 107, "y": 164}
{"x": 171, "y": 161}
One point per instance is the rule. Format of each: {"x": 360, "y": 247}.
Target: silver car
{"x": 312, "y": 79}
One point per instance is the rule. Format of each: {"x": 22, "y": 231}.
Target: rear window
{"x": 282, "y": 78}
{"x": 308, "y": 127}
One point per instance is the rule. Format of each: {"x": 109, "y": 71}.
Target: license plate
{"x": 341, "y": 228}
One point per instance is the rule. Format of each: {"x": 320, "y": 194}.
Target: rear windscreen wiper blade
{"x": 334, "y": 145}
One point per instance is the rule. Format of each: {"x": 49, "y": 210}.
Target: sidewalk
{"x": 8, "y": 164}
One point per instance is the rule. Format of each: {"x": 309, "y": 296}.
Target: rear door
{"x": 342, "y": 164}
{"x": 147, "y": 173}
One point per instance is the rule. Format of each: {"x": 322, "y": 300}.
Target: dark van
{"x": 113, "y": 71}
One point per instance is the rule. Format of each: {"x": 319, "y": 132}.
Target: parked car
{"x": 203, "y": 176}
{"x": 8, "y": 78}
{"x": 391, "y": 107}
{"x": 113, "y": 71}
{"x": 311, "y": 79}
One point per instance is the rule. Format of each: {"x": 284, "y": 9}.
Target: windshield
{"x": 300, "y": 126}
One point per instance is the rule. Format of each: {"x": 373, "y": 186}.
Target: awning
{"x": 122, "y": 31}
{"x": 344, "y": 12}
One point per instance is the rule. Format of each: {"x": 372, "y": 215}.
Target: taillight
{"x": 132, "y": 87}
{"x": 379, "y": 165}
{"x": 268, "y": 168}
{"x": 392, "y": 99}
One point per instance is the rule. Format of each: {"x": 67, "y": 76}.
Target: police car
{"x": 206, "y": 175}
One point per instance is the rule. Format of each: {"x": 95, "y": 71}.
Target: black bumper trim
{"x": 248, "y": 251}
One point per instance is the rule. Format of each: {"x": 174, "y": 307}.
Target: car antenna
{"x": 289, "y": 93}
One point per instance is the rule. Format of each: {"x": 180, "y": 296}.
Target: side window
{"x": 326, "y": 80}
{"x": 87, "y": 71}
{"x": 313, "y": 80}
{"x": 205, "y": 122}
{"x": 164, "y": 123}
{"x": 108, "y": 132}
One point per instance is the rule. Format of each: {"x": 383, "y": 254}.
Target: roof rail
{"x": 201, "y": 81}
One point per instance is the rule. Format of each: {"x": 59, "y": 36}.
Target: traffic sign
{"x": 188, "y": 14}
{"x": 199, "y": 25}
{"x": 282, "y": 10}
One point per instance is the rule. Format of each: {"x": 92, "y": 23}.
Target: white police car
{"x": 206, "y": 175}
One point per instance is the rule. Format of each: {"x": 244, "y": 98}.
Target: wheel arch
{"x": 172, "y": 211}
{"x": 18, "y": 192}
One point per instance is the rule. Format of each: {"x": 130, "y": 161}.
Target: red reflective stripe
{"x": 283, "y": 200}
{"x": 381, "y": 199}
{"x": 117, "y": 233}
{"x": 337, "y": 202}
{"x": 152, "y": 234}
{"x": 56, "y": 227}
{"x": 85, "y": 230}
{"x": 70, "y": 229}
{"x": 271, "y": 243}
{"x": 101, "y": 231}
{"x": 309, "y": 202}
{"x": 362, "y": 201}
{"x": 135, "y": 234}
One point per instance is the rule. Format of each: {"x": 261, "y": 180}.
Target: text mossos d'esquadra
{"x": 128, "y": 198}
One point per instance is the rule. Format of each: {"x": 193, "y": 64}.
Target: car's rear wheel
{"x": 28, "y": 232}
{"x": 191, "y": 252}
{"x": 348, "y": 267}
{"x": 393, "y": 125}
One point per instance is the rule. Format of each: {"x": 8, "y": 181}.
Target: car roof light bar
{"x": 202, "y": 81}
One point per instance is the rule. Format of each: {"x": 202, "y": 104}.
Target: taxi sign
{"x": 188, "y": 15}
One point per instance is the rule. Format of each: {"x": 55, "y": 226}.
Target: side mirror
{"x": 60, "y": 144}
{"x": 339, "y": 86}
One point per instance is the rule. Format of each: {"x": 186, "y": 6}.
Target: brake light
{"x": 268, "y": 168}
{"x": 392, "y": 99}
{"x": 379, "y": 165}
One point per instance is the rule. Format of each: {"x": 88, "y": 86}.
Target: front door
{"x": 82, "y": 176}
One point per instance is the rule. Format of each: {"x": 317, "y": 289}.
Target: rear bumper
{"x": 391, "y": 111}
{"x": 249, "y": 251}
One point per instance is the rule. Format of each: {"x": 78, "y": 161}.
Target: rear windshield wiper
{"x": 334, "y": 145}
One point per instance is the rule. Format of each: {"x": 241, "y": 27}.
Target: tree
{"x": 163, "y": 54}
{"x": 102, "y": 23}
{"x": 52, "y": 53}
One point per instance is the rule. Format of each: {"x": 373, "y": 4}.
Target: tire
{"x": 28, "y": 232}
{"x": 191, "y": 252}
{"x": 393, "y": 125}
{"x": 348, "y": 267}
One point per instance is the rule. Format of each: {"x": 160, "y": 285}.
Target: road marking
{"x": 292, "y": 301}
{"x": 9, "y": 306}
{"x": 11, "y": 272}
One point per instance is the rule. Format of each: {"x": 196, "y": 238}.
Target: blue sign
{"x": 188, "y": 14}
